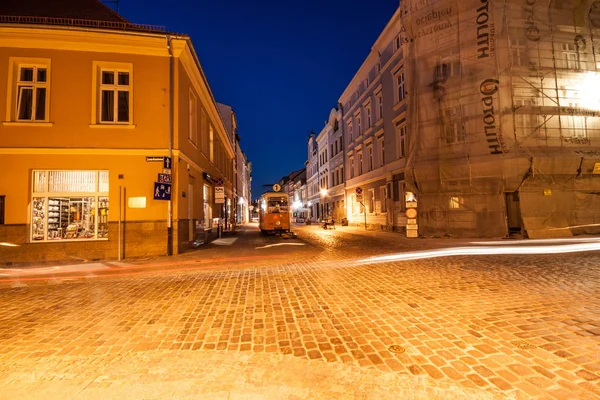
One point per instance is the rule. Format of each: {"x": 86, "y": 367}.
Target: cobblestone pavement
{"x": 307, "y": 322}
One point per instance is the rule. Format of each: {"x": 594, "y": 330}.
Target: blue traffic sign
{"x": 164, "y": 178}
{"x": 162, "y": 191}
{"x": 167, "y": 162}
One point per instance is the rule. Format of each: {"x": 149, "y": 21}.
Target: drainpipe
{"x": 170, "y": 202}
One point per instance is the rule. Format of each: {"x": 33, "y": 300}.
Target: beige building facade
{"x": 96, "y": 122}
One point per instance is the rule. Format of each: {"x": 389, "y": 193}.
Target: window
{"x": 115, "y": 102}
{"x": 336, "y": 147}
{"x": 456, "y": 202}
{"x": 211, "y": 143}
{"x": 342, "y": 179}
{"x": 379, "y": 98}
{"x": 371, "y": 201}
{"x": 351, "y": 167}
{"x": 517, "y": 52}
{"x": 370, "y": 149}
{"x": 69, "y": 205}
{"x": 396, "y": 43}
{"x": 368, "y": 110}
{"x": 358, "y": 125}
{"x": 360, "y": 163}
{"x": 401, "y": 138}
{"x": 526, "y": 120}
{"x": 570, "y": 56}
{"x": 207, "y": 207}
{"x": 454, "y": 130}
{"x": 193, "y": 118}
{"x": 32, "y": 92}
{"x": 378, "y": 68}
{"x": 400, "y": 92}
{"x": 381, "y": 152}
{"x": 332, "y": 153}
{"x": 383, "y": 198}
{"x": 2, "y": 212}
{"x": 350, "y": 137}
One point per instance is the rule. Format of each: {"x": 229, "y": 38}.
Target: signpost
{"x": 359, "y": 198}
{"x": 276, "y": 187}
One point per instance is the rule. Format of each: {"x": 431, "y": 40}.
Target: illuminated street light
{"x": 323, "y": 192}
{"x": 590, "y": 89}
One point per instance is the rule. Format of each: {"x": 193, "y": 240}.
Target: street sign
{"x": 167, "y": 162}
{"x": 358, "y": 190}
{"x": 359, "y": 196}
{"x": 220, "y": 182}
{"x": 154, "y": 159}
{"x": 276, "y": 187}
{"x": 162, "y": 191}
{"x": 220, "y": 200}
{"x": 164, "y": 178}
{"x": 219, "y": 192}
{"x": 411, "y": 213}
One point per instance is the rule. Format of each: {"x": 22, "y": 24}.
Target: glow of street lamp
{"x": 323, "y": 192}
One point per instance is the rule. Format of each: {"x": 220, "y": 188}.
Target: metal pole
{"x": 119, "y": 233}
{"x": 170, "y": 206}
{"x": 365, "y": 213}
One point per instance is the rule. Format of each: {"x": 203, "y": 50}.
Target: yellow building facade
{"x": 89, "y": 117}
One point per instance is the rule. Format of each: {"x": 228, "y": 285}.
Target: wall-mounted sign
{"x": 154, "y": 159}
{"x": 136, "y": 202}
{"x": 167, "y": 163}
{"x": 164, "y": 178}
{"x": 596, "y": 168}
{"x": 162, "y": 191}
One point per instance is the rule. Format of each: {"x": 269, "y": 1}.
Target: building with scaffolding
{"x": 503, "y": 116}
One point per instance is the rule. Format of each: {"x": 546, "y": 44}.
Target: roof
{"x": 76, "y": 9}
{"x": 81, "y": 13}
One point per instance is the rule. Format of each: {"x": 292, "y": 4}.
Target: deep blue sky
{"x": 281, "y": 65}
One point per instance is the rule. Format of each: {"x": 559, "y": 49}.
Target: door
{"x": 2, "y": 210}
{"x": 513, "y": 213}
{"x": 191, "y": 212}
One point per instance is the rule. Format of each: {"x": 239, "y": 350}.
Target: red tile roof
{"x": 74, "y": 9}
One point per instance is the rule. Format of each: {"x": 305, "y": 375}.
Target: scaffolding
{"x": 504, "y": 116}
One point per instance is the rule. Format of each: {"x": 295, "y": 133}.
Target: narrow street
{"x": 253, "y": 317}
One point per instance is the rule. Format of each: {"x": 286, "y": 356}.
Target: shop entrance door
{"x": 513, "y": 213}
{"x": 191, "y": 212}
{"x": 2, "y": 210}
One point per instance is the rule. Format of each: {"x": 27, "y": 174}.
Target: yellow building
{"x": 91, "y": 110}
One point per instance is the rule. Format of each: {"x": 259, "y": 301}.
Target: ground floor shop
{"x": 103, "y": 206}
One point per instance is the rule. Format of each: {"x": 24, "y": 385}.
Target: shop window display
{"x": 70, "y": 205}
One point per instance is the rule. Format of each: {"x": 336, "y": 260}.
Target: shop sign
{"x": 547, "y": 192}
{"x": 162, "y": 191}
{"x": 164, "y": 178}
{"x": 167, "y": 162}
{"x": 154, "y": 159}
{"x": 136, "y": 202}
{"x": 219, "y": 192}
{"x": 596, "y": 168}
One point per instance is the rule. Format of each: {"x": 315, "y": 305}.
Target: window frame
{"x": 98, "y": 68}
{"x": 399, "y": 83}
{"x": 401, "y": 138}
{"x": 14, "y": 74}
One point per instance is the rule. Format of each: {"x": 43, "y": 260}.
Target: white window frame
{"x": 33, "y": 85}
{"x": 360, "y": 163}
{"x": 379, "y": 99}
{"x": 98, "y": 87}
{"x": 371, "y": 163}
{"x": 570, "y": 56}
{"x": 401, "y": 138}
{"x": 399, "y": 85}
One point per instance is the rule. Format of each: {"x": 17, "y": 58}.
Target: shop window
{"x": 69, "y": 205}
{"x": 371, "y": 201}
{"x": 207, "y": 207}
{"x": 456, "y": 202}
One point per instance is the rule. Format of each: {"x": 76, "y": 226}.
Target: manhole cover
{"x": 523, "y": 345}
{"x": 396, "y": 349}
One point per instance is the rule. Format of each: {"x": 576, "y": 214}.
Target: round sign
{"x": 358, "y": 190}
{"x": 276, "y": 187}
{"x": 411, "y": 213}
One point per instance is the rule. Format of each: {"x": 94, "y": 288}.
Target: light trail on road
{"x": 484, "y": 250}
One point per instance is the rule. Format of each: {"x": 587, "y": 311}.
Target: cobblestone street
{"x": 274, "y": 318}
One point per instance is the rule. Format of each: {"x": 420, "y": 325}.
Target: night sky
{"x": 281, "y": 65}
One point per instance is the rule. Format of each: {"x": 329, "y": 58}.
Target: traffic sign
{"x": 164, "y": 178}
{"x": 359, "y": 196}
{"x": 276, "y": 187}
{"x": 167, "y": 162}
{"x": 411, "y": 213}
{"x": 358, "y": 190}
{"x": 220, "y": 182}
{"x": 162, "y": 191}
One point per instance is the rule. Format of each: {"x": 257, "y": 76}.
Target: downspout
{"x": 170, "y": 202}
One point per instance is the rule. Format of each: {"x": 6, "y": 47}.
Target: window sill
{"x": 31, "y": 241}
{"x": 112, "y": 126}
{"x": 25, "y": 123}
{"x": 398, "y": 105}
